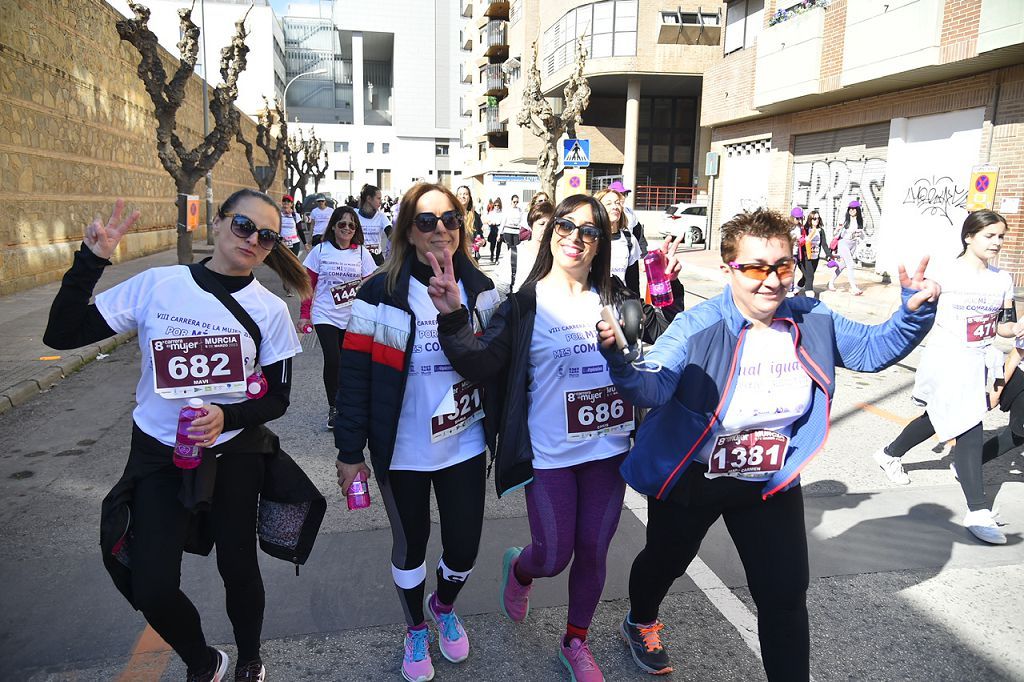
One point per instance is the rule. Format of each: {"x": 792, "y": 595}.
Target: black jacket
{"x": 375, "y": 360}
{"x": 500, "y": 359}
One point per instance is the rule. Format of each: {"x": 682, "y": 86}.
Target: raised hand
{"x": 671, "y": 250}
{"x": 443, "y": 289}
{"x": 927, "y": 290}
{"x": 103, "y": 239}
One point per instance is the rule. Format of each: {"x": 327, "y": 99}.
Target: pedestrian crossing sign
{"x": 575, "y": 153}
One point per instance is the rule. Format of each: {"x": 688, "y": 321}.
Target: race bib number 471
{"x": 981, "y": 327}
{"x": 196, "y": 365}
{"x": 751, "y": 453}
{"x": 596, "y": 412}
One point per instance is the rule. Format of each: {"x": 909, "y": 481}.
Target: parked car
{"x": 689, "y": 221}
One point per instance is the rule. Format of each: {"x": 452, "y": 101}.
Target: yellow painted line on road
{"x": 884, "y": 414}
{"x": 149, "y": 659}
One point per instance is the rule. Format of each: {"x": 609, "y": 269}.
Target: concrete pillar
{"x": 358, "y": 84}
{"x": 632, "y": 129}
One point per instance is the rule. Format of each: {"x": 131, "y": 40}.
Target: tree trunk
{"x": 185, "y": 256}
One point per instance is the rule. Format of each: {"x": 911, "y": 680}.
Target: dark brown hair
{"x": 540, "y": 210}
{"x": 977, "y": 221}
{"x": 357, "y": 236}
{"x": 762, "y": 224}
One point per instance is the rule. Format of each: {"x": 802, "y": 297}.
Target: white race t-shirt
{"x": 968, "y": 309}
{"x": 321, "y": 216}
{"x": 625, "y": 252}
{"x": 289, "y": 233}
{"x": 340, "y": 272}
{"x": 437, "y": 402}
{"x": 373, "y": 231}
{"x": 772, "y": 389}
{"x": 513, "y": 217}
{"x": 170, "y": 312}
{"x": 576, "y": 415}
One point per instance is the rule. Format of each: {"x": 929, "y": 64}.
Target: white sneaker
{"x": 892, "y": 466}
{"x": 982, "y": 524}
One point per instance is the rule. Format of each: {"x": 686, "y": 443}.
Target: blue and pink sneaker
{"x": 451, "y": 635}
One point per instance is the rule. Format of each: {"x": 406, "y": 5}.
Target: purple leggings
{"x": 574, "y": 510}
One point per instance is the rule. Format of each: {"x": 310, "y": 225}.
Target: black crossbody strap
{"x": 207, "y": 281}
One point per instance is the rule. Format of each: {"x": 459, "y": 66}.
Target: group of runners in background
{"x": 436, "y": 370}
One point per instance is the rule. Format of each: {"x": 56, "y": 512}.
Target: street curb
{"x": 49, "y": 376}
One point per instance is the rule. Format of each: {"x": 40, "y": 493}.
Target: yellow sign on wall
{"x": 573, "y": 181}
{"x": 981, "y": 193}
{"x": 192, "y": 217}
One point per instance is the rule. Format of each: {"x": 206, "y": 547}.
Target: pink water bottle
{"x": 658, "y": 282}
{"x": 187, "y": 453}
{"x": 358, "y": 493}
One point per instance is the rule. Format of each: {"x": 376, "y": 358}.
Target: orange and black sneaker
{"x": 645, "y": 646}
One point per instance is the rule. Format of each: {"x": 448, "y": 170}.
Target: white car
{"x": 689, "y": 221}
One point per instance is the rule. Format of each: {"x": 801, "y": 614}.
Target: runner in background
{"x": 515, "y": 267}
{"x": 422, "y": 421}
{"x": 812, "y": 243}
{"x": 474, "y": 226}
{"x": 511, "y": 224}
{"x": 846, "y": 243}
{"x": 560, "y": 427}
{"x": 375, "y": 223}
{"x": 337, "y": 267}
{"x": 625, "y": 253}
{"x": 164, "y": 305}
{"x": 635, "y": 227}
{"x": 494, "y": 219}
{"x": 740, "y": 389}
{"x": 320, "y": 217}
{"x": 960, "y": 365}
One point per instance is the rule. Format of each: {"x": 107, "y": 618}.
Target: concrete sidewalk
{"x": 27, "y": 367}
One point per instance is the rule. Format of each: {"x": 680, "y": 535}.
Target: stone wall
{"x": 77, "y": 131}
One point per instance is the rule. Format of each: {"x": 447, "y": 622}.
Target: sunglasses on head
{"x": 243, "y": 227}
{"x": 565, "y": 227}
{"x": 427, "y": 222}
{"x": 761, "y": 271}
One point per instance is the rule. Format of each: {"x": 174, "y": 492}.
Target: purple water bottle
{"x": 187, "y": 454}
{"x": 358, "y": 493}
{"x": 658, "y": 283}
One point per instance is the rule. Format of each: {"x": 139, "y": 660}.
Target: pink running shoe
{"x": 515, "y": 598}
{"x": 580, "y": 662}
{"x": 452, "y": 637}
{"x": 416, "y": 665}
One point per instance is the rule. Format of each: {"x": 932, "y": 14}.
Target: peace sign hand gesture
{"x": 927, "y": 290}
{"x": 443, "y": 289}
{"x": 103, "y": 239}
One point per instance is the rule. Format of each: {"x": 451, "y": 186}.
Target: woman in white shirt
{"x": 374, "y": 222}
{"x": 169, "y": 306}
{"x": 960, "y": 364}
{"x": 336, "y": 267}
{"x": 626, "y": 252}
{"x": 515, "y": 267}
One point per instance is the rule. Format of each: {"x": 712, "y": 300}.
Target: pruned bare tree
{"x": 271, "y": 137}
{"x": 316, "y": 160}
{"x": 298, "y": 174}
{"x": 537, "y": 115}
{"x": 186, "y": 166}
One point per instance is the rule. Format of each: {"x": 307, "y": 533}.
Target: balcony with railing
{"x": 789, "y": 58}
{"x": 690, "y": 28}
{"x": 497, "y": 38}
{"x": 496, "y": 86}
{"x": 497, "y": 130}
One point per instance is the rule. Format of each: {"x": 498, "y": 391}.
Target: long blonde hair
{"x": 400, "y": 244}
{"x": 600, "y": 195}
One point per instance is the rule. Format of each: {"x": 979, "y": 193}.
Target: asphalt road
{"x": 899, "y": 590}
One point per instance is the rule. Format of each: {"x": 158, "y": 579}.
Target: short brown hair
{"x": 762, "y": 224}
{"x": 542, "y": 209}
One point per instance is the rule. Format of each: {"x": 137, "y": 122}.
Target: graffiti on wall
{"x": 830, "y": 186}
{"x": 937, "y": 196}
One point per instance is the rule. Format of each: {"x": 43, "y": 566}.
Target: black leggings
{"x": 459, "y": 491}
{"x": 495, "y": 243}
{"x": 772, "y": 544}
{"x": 807, "y": 268}
{"x": 331, "y": 339}
{"x": 160, "y": 526}
{"x": 966, "y": 456}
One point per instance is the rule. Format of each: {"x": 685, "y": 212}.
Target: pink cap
{"x": 797, "y": 212}
{"x": 619, "y": 187}
{"x": 854, "y": 204}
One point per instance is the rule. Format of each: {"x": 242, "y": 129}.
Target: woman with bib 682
{"x": 740, "y": 398}
{"x": 166, "y": 306}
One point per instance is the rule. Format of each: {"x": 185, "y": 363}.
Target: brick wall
{"x": 834, "y": 42}
{"x": 959, "y": 38}
{"x": 77, "y": 131}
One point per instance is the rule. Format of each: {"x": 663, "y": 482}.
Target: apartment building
{"x": 645, "y": 69}
{"x": 890, "y": 102}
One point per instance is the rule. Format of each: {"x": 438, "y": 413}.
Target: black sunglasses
{"x": 761, "y": 271}
{"x": 565, "y": 227}
{"x": 427, "y": 222}
{"x": 243, "y": 228}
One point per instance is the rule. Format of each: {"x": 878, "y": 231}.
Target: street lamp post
{"x": 314, "y": 72}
